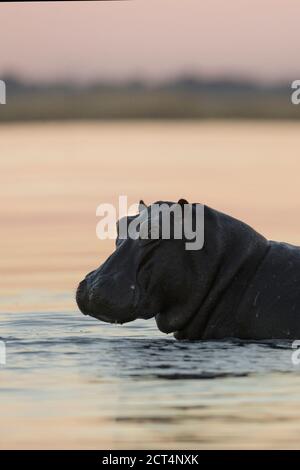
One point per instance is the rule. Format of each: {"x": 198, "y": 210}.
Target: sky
{"x": 152, "y": 39}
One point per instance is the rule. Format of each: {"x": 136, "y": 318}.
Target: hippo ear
{"x": 181, "y": 202}
{"x": 142, "y": 205}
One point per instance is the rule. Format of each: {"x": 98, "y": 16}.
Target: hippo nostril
{"x": 82, "y": 284}
{"x": 81, "y": 296}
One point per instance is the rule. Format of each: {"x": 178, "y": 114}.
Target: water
{"x": 73, "y": 382}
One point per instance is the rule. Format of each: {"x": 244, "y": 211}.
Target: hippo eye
{"x": 149, "y": 231}
{"x": 149, "y": 238}
{"x": 146, "y": 241}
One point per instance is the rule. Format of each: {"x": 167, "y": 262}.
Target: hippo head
{"x": 143, "y": 277}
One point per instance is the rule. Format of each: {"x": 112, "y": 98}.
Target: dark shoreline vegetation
{"x": 180, "y": 99}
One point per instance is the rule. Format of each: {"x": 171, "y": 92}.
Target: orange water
{"x": 53, "y": 176}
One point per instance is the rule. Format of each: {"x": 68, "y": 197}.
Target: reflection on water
{"x": 54, "y": 175}
{"x": 71, "y": 381}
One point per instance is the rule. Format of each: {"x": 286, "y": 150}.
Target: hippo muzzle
{"x": 108, "y": 297}
{"x": 112, "y": 292}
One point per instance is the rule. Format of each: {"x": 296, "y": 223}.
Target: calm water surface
{"x": 71, "y": 381}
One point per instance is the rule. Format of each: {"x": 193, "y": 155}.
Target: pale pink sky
{"x": 151, "y": 38}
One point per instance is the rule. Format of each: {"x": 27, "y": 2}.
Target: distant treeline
{"x": 182, "y": 98}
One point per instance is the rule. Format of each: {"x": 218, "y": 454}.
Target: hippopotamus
{"x": 238, "y": 285}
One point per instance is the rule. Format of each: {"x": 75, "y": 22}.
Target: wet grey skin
{"x": 239, "y": 285}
